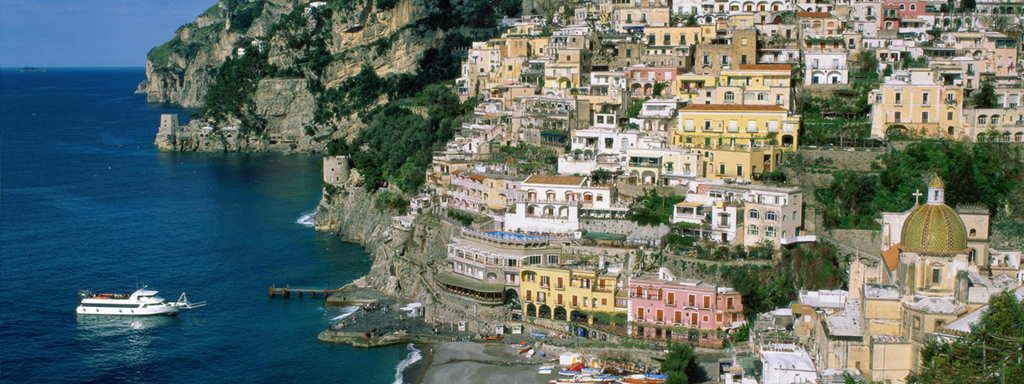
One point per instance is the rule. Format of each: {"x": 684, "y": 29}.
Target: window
{"x": 692, "y": 300}
{"x": 559, "y": 285}
{"x": 545, "y": 282}
{"x": 667, "y": 39}
{"x": 671, "y": 298}
{"x": 559, "y": 301}
{"x": 994, "y": 120}
{"x": 949, "y": 115}
{"x": 743, "y": 59}
{"x": 772, "y": 216}
{"x": 936, "y": 276}
{"x": 770, "y": 231}
{"x": 640, "y": 313}
{"x": 707, "y": 125}
{"x": 754, "y": 214}
{"x": 899, "y": 98}
{"x": 897, "y": 116}
{"x": 730, "y": 97}
{"x": 924, "y": 98}
{"x": 982, "y": 119}
{"x": 924, "y": 117}
{"x": 739, "y": 170}
{"x": 705, "y": 60}
{"x": 707, "y": 301}
{"x": 721, "y": 168}
{"x": 752, "y": 230}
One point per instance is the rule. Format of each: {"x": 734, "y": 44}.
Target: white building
{"x": 551, "y": 204}
{"x": 787, "y": 364}
{"x": 825, "y": 68}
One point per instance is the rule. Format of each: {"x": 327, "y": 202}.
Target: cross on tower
{"x": 917, "y": 195}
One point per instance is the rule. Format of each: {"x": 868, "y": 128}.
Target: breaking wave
{"x": 308, "y": 219}
{"x": 414, "y": 356}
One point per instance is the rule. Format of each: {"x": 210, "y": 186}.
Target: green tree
{"x": 653, "y": 208}
{"x": 867, "y": 61}
{"x": 681, "y": 365}
{"x": 989, "y": 354}
{"x": 691, "y": 20}
{"x": 985, "y": 97}
{"x": 967, "y": 5}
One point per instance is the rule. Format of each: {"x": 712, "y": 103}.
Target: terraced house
{"x": 570, "y": 293}
{"x": 662, "y": 306}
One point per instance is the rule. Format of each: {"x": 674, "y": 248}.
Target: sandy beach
{"x": 472, "y": 363}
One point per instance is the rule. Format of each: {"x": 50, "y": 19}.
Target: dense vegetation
{"x": 989, "y": 174}
{"x": 653, "y": 208}
{"x": 526, "y": 158}
{"x": 231, "y": 93}
{"x": 808, "y": 266}
{"x": 396, "y": 145}
{"x": 991, "y": 353}
{"x": 681, "y": 365}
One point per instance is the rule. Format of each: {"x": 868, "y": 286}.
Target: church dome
{"x": 934, "y": 229}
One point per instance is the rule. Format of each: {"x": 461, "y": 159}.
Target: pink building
{"x": 642, "y": 79}
{"x": 660, "y": 305}
{"x": 906, "y": 9}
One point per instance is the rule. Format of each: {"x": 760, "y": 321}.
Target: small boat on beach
{"x": 545, "y": 370}
{"x": 649, "y": 378}
{"x": 142, "y": 302}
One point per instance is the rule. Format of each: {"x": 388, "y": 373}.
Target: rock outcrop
{"x": 312, "y": 48}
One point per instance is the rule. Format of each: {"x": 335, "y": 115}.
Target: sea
{"x": 88, "y": 203}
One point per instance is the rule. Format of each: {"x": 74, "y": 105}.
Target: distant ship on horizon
{"x": 33, "y": 69}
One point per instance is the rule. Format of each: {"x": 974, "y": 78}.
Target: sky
{"x": 89, "y": 33}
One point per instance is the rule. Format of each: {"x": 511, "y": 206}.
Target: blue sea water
{"x": 86, "y": 202}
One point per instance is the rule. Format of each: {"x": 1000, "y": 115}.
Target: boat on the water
{"x": 142, "y": 302}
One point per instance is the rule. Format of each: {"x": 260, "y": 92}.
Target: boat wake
{"x": 414, "y": 356}
{"x": 308, "y": 219}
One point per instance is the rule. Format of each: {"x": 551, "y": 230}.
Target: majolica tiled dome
{"x": 934, "y": 229}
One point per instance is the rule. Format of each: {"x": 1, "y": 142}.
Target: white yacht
{"x": 142, "y": 302}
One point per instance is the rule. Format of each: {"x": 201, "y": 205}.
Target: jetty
{"x": 287, "y": 291}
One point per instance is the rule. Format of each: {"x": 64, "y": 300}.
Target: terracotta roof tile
{"x": 891, "y": 257}
{"x": 734, "y": 107}
{"x": 817, "y": 15}
{"x": 554, "y": 180}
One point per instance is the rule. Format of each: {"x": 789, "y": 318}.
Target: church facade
{"x": 935, "y": 267}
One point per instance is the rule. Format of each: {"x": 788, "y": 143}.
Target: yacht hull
{"x": 149, "y": 311}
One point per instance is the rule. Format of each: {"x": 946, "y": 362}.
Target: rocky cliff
{"x": 403, "y": 260}
{"x": 276, "y": 75}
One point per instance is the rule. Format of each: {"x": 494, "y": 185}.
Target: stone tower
{"x": 336, "y": 170}
{"x": 169, "y": 123}
{"x": 167, "y": 134}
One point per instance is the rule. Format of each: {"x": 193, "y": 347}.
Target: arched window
{"x": 982, "y": 119}
{"x": 754, "y": 214}
{"x": 994, "y": 120}
{"x": 772, "y": 216}
{"x": 974, "y": 232}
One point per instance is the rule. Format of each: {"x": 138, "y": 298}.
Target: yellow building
{"x": 755, "y": 84}
{"x": 567, "y": 293}
{"x": 677, "y": 36}
{"x": 914, "y": 104}
{"x": 731, "y": 126}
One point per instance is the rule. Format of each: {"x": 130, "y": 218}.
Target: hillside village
{"x": 647, "y": 172}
